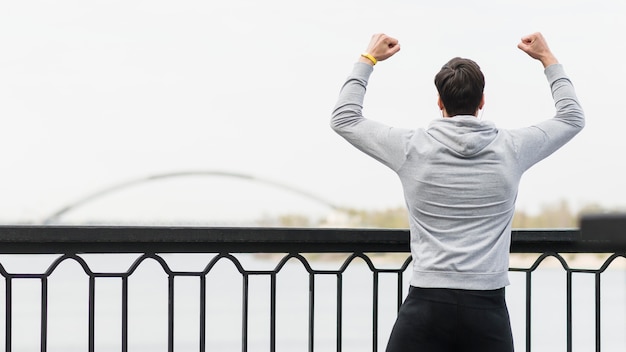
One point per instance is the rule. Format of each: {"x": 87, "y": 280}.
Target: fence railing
{"x": 195, "y": 316}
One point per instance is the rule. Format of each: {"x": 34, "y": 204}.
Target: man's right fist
{"x": 382, "y": 46}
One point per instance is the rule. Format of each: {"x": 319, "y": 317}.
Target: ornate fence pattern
{"x": 228, "y": 245}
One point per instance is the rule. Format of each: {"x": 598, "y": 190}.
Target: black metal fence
{"x": 325, "y": 287}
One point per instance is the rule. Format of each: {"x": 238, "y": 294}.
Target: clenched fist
{"x": 382, "y": 47}
{"x": 536, "y": 47}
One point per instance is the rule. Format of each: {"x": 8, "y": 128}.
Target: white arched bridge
{"x": 58, "y": 214}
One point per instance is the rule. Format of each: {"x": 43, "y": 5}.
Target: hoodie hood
{"x": 466, "y": 135}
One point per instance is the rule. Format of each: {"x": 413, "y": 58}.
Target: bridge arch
{"x": 58, "y": 214}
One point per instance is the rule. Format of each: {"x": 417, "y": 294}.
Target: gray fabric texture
{"x": 460, "y": 178}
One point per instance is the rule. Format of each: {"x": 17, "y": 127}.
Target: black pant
{"x": 450, "y": 320}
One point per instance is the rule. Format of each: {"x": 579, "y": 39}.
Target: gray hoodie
{"x": 460, "y": 178}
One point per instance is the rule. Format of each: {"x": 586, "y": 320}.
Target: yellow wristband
{"x": 370, "y": 57}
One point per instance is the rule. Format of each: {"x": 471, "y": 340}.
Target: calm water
{"x": 68, "y": 329}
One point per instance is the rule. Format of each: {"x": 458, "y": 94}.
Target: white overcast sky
{"x": 95, "y": 93}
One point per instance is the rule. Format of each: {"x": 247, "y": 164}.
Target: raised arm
{"x": 547, "y": 136}
{"x": 382, "y": 142}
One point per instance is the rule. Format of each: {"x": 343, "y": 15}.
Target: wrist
{"x": 368, "y": 58}
{"x": 549, "y": 60}
{"x": 365, "y": 61}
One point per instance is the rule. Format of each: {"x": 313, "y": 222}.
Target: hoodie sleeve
{"x": 539, "y": 141}
{"x": 384, "y": 143}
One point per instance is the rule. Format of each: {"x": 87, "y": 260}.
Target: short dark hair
{"x": 460, "y": 84}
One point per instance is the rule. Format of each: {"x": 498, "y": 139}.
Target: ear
{"x": 482, "y": 103}
{"x": 440, "y": 103}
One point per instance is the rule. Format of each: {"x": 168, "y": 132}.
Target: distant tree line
{"x": 557, "y": 215}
